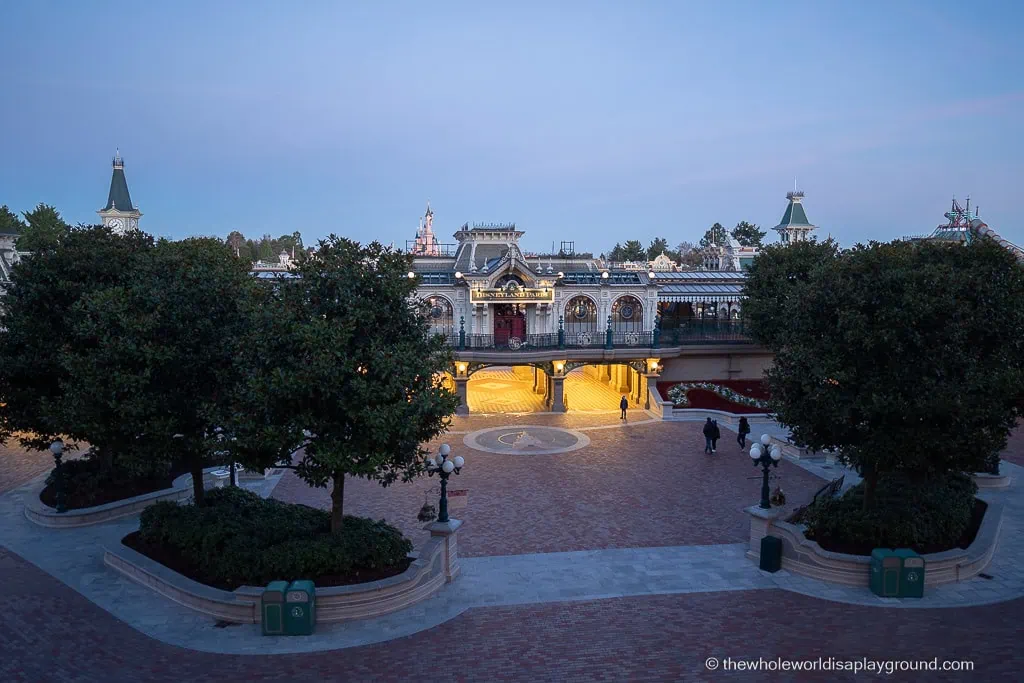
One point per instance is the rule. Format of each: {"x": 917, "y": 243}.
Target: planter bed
{"x": 118, "y": 490}
{"x": 803, "y": 556}
{"x": 44, "y": 515}
{"x": 422, "y": 578}
{"x": 708, "y": 400}
{"x": 177, "y": 563}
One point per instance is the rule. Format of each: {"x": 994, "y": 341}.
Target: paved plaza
{"x": 499, "y": 391}
{"x": 621, "y": 559}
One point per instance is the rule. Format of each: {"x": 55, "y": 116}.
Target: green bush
{"x": 239, "y": 538}
{"x": 907, "y": 513}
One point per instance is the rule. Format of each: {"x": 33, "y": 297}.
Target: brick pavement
{"x": 51, "y": 634}
{"x": 1014, "y": 451}
{"x": 18, "y": 465}
{"x": 636, "y": 486}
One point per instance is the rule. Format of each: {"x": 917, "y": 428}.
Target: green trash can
{"x": 300, "y": 608}
{"x": 771, "y": 553}
{"x": 885, "y": 573}
{"x": 912, "y": 568}
{"x": 272, "y": 608}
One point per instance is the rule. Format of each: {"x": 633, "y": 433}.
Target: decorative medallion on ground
{"x": 526, "y": 440}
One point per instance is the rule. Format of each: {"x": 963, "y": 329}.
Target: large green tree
{"x": 633, "y": 250}
{"x": 157, "y": 351}
{"x": 44, "y": 227}
{"x": 39, "y": 399}
{"x": 748, "y": 234}
{"x": 344, "y": 351}
{"x": 905, "y": 357}
{"x": 657, "y": 246}
{"x": 688, "y": 254}
{"x": 715, "y": 235}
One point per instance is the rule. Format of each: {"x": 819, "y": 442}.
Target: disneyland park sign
{"x": 512, "y": 294}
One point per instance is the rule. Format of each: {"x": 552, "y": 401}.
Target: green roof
{"x": 119, "y": 198}
{"x": 795, "y": 214}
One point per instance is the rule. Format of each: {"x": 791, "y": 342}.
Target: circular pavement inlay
{"x": 526, "y": 440}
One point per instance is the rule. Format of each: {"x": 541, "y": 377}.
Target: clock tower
{"x": 119, "y": 214}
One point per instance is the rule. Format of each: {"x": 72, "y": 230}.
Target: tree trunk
{"x": 870, "y": 481}
{"x": 337, "y": 502}
{"x": 198, "y": 492}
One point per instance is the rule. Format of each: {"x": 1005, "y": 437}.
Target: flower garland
{"x": 678, "y": 394}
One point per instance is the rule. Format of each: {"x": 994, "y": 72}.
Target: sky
{"x": 589, "y": 121}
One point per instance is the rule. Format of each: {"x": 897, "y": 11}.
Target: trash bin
{"x": 911, "y": 573}
{"x": 272, "y": 608}
{"x": 220, "y": 478}
{"x": 885, "y": 573}
{"x": 300, "y": 608}
{"x": 771, "y": 553}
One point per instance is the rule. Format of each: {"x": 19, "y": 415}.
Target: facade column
{"x": 558, "y": 394}
{"x": 461, "y": 387}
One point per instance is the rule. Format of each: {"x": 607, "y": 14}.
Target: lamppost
{"x": 766, "y": 458}
{"x": 443, "y": 465}
{"x": 57, "y": 448}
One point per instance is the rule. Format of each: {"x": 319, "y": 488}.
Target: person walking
{"x": 715, "y": 437}
{"x": 709, "y": 435}
{"x": 623, "y": 404}
{"x": 744, "y": 429}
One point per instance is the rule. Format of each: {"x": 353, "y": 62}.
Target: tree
{"x": 633, "y": 250}
{"x": 157, "y": 351}
{"x": 905, "y": 357}
{"x": 10, "y": 224}
{"x": 39, "y": 399}
{"x": 658, "y": 245}
{"x": 715, "y": 235}
{"x": 44, "y": 227}
{"x": 688, "y": 254}
{"x": 236, "y": 241}
{"x": 748, "y": 234}
{"x": 615, "y": 254}
{"x": 344, "y": 352}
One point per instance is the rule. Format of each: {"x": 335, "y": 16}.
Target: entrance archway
{"x": 507, "y": 389}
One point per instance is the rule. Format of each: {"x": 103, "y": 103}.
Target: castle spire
{"x": 119, "y": 212}
{"x": 794, "y": 226}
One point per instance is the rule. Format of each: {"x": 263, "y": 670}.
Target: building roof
{"x": 698, "y": 275}
{"x": 118, "y": 198}
{"x": 795, "y": 214}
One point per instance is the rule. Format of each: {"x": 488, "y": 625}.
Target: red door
{"x": 509, "y": 322}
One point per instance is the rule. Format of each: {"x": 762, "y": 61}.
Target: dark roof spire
{"x": 118, "y": 198}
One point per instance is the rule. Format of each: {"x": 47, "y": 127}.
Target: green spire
{"x": 119, "y": 198}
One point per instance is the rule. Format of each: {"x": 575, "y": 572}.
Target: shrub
{"x": 909, "y": 512}
{"x": 239, "y": 538}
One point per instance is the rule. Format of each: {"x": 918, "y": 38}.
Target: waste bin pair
{"x": 897, "y": 573}
{"x": 289, "y": 609}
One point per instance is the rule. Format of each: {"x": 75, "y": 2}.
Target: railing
{"x": 695, "y": 332}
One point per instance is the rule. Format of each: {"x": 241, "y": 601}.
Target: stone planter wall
{"x": 424, "y": 577}
{"x": 44, "y": 515}
{"x": 722, "y": 416}
{"x": 803, "y": 556}
{"x": 991, "y": 481}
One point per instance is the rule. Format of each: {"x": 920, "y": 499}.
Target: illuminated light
{"x": 458, "y": 275}
{"x": 604, "y": 275}
{"x": 412, "y": 275}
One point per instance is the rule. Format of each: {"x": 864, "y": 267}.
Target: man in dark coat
{"x": 717, "y": 435}
{"x": 709, "y": 435}
{"x": 623, "y": 404}
{"x": 743, "y": 430}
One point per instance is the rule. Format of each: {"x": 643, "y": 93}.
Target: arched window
{"x": 581, "y": 321}
{"x": 627, "y": 315}
{"x": 440, "y": 316}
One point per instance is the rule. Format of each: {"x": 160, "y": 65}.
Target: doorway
{"x": 509, "y": 321}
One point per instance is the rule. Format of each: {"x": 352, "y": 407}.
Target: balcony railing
{"x": 687, "y": 333}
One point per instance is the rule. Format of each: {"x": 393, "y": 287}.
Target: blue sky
{"x": 588, "y": 121}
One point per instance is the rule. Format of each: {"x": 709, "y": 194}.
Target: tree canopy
{"x": 10, "y": 223}
{"x": 344, "y": 352}
{"x": 715, "y": 235}
{"x": 43, "y": 228}
{"x": 748, "y": 234}
{"x": 906, "y": 357}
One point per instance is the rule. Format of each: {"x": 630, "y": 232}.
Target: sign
{"x": 519, "y": 295}
{"x": 458, "y": 498}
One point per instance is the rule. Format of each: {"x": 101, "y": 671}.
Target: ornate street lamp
{"x": 766, "y": 458}
{"x": 57, "y": 448}
{"x": 443, "y": 465}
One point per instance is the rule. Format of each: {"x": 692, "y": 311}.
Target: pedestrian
{"x": 709, "y": 435}
{"x": 623, "y": 404}
{"x": 717, "y": 435}
{"x": 743, "y": 431}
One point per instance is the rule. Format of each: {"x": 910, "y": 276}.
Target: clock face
{"x": 116, "y": 223}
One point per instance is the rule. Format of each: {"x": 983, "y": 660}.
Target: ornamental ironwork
{"x": 515, "y": 343}
{"x": 584, "y": 339}
{"x": 632, "y": 338}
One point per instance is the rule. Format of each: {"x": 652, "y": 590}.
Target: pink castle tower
{"x": 426, "y": 241}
